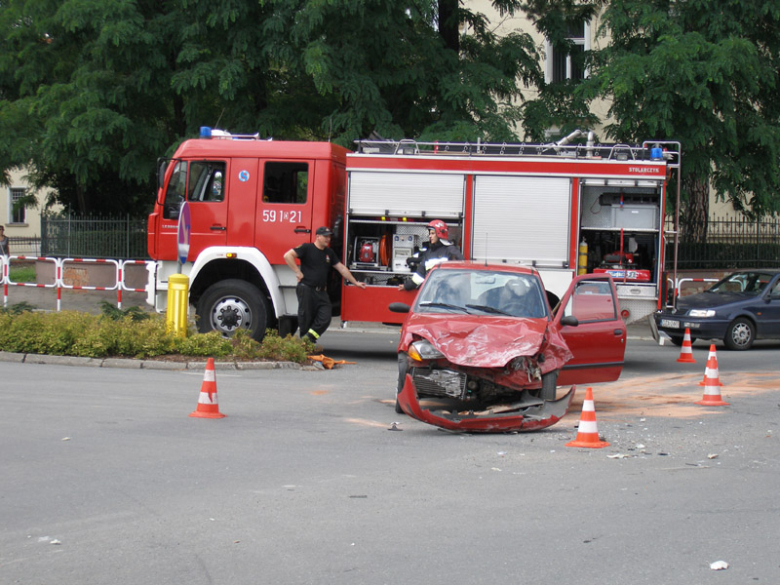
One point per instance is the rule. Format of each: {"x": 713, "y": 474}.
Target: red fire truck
{"x": 561, "y": 208}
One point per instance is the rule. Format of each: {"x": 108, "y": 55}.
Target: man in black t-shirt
{"x": 314, "y": 310}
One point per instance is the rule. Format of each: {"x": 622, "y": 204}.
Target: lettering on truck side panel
{"x": 271, "y": 216}
{"x": 645, "y": 170}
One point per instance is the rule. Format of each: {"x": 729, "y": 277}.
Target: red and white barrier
{"x": 123, "y": 273}
{"x": 8, "y": 282}
{"x": 60, "y": 264}
{"x": 680, "y": 281}
{"x": 82, "y": 261}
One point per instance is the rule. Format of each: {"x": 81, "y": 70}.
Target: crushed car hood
{"x": 488, "y": 342}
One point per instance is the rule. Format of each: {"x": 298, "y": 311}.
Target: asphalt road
{"x": 106, "y": 479}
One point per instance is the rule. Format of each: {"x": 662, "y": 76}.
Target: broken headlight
{"x": 423, "y": 350}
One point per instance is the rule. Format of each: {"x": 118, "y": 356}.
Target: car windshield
{"x": 485, "y": 292}
{"x": 748, "y": 283}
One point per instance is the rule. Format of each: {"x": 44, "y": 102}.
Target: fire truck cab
{"x": 250, "y": 201}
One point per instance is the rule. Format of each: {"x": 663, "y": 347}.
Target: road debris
{"x": 719, "y": 565}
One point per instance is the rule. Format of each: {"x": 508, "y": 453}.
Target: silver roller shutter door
{"x": 431, "y": 195}
{"x": 522, "y": 219}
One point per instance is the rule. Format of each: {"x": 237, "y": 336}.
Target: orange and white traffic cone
{"x": 712, "y": 384}
{"x": 711, "y": 371}
{"x": 587, "y": 431}
{"x": 686, "y": 354}
{"x": 208, "y": 406}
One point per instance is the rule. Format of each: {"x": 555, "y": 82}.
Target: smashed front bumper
{"x": 526, "y": 414}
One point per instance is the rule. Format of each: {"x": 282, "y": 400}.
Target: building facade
{"x": 21, "y": 223}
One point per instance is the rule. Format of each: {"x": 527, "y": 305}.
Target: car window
{"x": 749, "y": 283}
{"x": 592, "y": 301}
{"x": 483, "y": 291}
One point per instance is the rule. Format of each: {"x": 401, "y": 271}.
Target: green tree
{"x": 93, "y": 91}
{"x": 403, "y": 69}
{"x": 704, "y": 73}
{"x": 81, "y": 100}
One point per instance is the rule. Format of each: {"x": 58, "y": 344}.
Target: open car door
{"x": 598, "y": 342}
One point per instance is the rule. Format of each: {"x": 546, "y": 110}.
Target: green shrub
{"x": 289, "y": 348}
{"x": 206, "y": 345}
{"x": 17, "y": 308}
{"x": 115, "y": 313}
{"x": 124, "y": 334}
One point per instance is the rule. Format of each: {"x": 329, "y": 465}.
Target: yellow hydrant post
{"x": 178, "y": 299}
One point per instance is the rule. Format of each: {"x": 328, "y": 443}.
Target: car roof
{"x": 753, "y": 270}
{"x": 474, "y": 265}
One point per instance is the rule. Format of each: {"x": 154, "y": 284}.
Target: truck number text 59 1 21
{"x": 271, "y": 216}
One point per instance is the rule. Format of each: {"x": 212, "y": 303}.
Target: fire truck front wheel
{"x": 230, "y": 305}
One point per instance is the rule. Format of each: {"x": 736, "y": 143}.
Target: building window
{"x": 562, "y": 65}
{"x": 18, "y": 210}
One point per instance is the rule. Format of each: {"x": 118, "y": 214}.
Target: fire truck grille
{"x": 440, "y": 383}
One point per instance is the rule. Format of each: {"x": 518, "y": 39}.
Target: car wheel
{"x": 549, "y": 381}
{"x": 403, "y": 367}
{"x": 231, "y": 305}
{"x": 740, "y": 334}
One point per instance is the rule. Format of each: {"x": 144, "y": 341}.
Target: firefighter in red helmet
{"x": 439, "y": 250}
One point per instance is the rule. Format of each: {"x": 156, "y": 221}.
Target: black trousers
{"x": 314, "y": 311}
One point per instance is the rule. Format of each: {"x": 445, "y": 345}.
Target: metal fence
{"x": 25, "y": 246}
{"x": 731, "y": 243}
{"x": 70, "y": 236}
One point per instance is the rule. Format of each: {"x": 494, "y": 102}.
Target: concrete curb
{"x": 64, "y": 360}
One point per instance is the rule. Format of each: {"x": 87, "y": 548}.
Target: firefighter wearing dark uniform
{"x": 314, "y": 309}
{"x": 440, "y": 250}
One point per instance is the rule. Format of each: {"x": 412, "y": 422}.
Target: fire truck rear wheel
{"x": 230, "y": 305}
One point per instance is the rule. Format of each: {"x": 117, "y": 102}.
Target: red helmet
{"x": 441, "y": 229}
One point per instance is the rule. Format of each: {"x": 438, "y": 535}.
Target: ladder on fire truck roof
{"x": 650, "y": 150}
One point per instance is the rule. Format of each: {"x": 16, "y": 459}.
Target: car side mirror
{"x": 570, "y": 321}
{"x": 399, "y": 307}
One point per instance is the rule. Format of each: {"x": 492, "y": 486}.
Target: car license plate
{"x": 670, "y": 323}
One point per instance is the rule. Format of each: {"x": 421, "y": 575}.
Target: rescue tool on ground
{"x": 535, "y": 205}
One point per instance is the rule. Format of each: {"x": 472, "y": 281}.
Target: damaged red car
{"x": 481, "y": 350}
